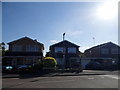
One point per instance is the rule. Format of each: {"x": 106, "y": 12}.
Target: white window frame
{"x": 32, "y": 48}
{"x": 17, "y": 48}
{"x": 72, "y": 50}
{"x": 59, "y": 49}
{"x": 104, "y": 51}
{"x": 114, "y": 51}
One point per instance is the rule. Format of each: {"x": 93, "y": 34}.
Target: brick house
{"x": 23, "y": 51}
{"x": 107, "y": 52}
{"x": 65, "y": 52}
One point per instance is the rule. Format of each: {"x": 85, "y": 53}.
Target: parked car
{"x": 76, "y": 68}
{"x": 25, "y": 67}
{"x": 6, "y": 69}
{"x": 94, "y": 66}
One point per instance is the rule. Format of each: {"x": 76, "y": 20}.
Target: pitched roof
{"x": 25, "y": 38}
{"x": 102, "y": 45}
{"x": 65, "y": 41}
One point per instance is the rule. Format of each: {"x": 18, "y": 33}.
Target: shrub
{"x": 49, "y": 62}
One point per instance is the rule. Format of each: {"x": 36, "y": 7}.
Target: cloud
{"x": 74, "y": 33}
{"x": 53, "y": 41}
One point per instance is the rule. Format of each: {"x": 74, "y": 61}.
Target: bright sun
{"x": 107, "y": 10}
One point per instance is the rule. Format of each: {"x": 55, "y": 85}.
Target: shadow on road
{"x": 79, "y": 74}
{"x": 25, "y": 75}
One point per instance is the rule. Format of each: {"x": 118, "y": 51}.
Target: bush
{"x": 49, "y": 62}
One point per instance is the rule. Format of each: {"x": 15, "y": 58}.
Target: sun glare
{"x": 107, "y": 10}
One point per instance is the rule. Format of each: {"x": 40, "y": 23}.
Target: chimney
{"x": 35, "y": 40}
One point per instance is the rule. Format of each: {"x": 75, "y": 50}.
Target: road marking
{"x": 90, "y": 78}
{"x": 56, "y": 81}
{"x": 102, "y": 77}
{"x": 112, "y": 76}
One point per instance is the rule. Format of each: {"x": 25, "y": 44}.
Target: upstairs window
{"x": 16, "y": 48}
{"x": 104, "y": 51}
{"x": 32, "y": 48}
{"x": 114, "y": 51}
{"x": 72, "y": 50}
{"x": 59, "y": 49}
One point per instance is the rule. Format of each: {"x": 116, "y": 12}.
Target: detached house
{"x": 23, "y": 51}
{"x": 66, "y": 53}
{"x": 107, "y": 53}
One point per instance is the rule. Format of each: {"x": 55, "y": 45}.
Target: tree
{"x": 2, "y": 48}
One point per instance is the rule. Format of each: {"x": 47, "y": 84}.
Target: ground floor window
{"x": 14, "y": 61}
{"x": 60, "y": 61}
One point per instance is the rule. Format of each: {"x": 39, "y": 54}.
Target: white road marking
{"x": 90, "y": 78}
{"x": 56, "y": 81}
{"x": 111, "y": 76}
{"x": 102, "y": 77}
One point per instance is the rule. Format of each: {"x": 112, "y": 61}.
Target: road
{"x": 86, "y": 79}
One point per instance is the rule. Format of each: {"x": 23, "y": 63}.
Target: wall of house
{"x": 23, "y": 51}
{"x": 93, "y": 53}
{"x": 65, "y": 51}
{"x": 16, "y": 60}
{"x": 101, "y": 52}
{"x": 52, "y": 50}
{"x": 109, "y": 54}
{"x": 24, "y": 44}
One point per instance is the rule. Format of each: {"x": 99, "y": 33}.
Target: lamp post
{"x": 63, "y": 36}
{"x": 63, "y": 51}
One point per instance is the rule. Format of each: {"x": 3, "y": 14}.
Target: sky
{"x": 86, "y": 24}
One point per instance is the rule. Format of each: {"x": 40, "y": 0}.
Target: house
{"x": 66, "y": 53}
{"x": 107, "y": 53}
{"x": 23, "y": 51}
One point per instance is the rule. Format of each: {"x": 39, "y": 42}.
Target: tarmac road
{"x": 86, "y": 79}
